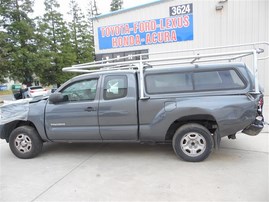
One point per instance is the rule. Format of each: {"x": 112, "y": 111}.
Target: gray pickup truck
{"x": 191, "y": 107}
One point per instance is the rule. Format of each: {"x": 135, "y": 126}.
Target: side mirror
{"x": 55, "y": 98}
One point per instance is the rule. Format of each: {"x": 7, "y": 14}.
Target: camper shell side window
{"x": 202, "y": 80}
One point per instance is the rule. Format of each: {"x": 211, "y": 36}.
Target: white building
{"x": 166, "y": 25}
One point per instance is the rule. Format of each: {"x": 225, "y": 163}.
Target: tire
{"x": 25, "y": 142}
{"x": 192, "y": 142}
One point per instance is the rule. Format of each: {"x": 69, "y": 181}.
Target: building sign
{"x": 178, "y": 27}
{"x": 184, "y": 9}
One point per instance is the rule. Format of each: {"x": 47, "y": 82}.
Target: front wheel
{"x": 192, "y": 142}
{"x": 25, "y": 142}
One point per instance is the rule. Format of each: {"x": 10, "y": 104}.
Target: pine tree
{"x": 92, "y": 13}
{"x": 81, "y": 37}
{"x": 17, "y": 38}
{"x": 116, "y": 5}
{"x": 4, "y": 56}
{"x": 55, "y": 47}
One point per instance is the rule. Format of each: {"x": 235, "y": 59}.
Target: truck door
{"x": 76, "y": 117}
{"x": 118, "y": 108}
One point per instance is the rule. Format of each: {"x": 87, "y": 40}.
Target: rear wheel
{"x": 192, "y": 142}
{"x": 25, "y": 142}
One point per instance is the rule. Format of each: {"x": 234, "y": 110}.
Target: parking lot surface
{"x": 134, "y": 172}
{"x": 238, "y": 171}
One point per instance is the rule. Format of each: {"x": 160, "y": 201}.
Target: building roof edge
{"x": 129, "y": 9}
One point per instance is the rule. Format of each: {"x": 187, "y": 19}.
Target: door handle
{"x": 90, "y": 109}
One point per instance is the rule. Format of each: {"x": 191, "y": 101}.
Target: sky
{"x": 102, "y": 5}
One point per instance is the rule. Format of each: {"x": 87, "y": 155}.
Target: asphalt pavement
{"x": 134, "y": 172}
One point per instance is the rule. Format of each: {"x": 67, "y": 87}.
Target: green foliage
{"x": 19, "y": 42}
{"x": 116, "y": 5}
{"x": 55, "y": 47}
{"x": 81, "y": 37}
{"x": 41, "y": 47}
{"x": 4, "y": 53}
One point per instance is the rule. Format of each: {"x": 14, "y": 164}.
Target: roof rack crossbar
{"x": 240, "y": 56}
{"x": 186, "y": 62}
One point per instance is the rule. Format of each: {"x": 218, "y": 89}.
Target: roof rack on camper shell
{"x": 195, "y": 56}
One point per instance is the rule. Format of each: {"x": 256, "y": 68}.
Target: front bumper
{"x": 254, "y": 128}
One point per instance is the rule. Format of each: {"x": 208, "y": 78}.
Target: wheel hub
{"x": 193, "y": 144}
{"x": 23, "y": 143}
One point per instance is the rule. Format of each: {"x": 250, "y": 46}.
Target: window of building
{"x": 115, "y": 87}
{"x": 129, "y": 56}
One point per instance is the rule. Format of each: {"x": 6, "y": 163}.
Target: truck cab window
{"x": 115, "y": 87}
{"x": 81, "y": 90}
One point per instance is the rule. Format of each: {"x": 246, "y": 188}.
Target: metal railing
{"x": 197, "y": 56}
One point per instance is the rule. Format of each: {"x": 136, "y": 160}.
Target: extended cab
{"x": 191, "y": 107}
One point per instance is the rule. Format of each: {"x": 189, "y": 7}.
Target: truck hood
{"x": 17, "y": 110}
